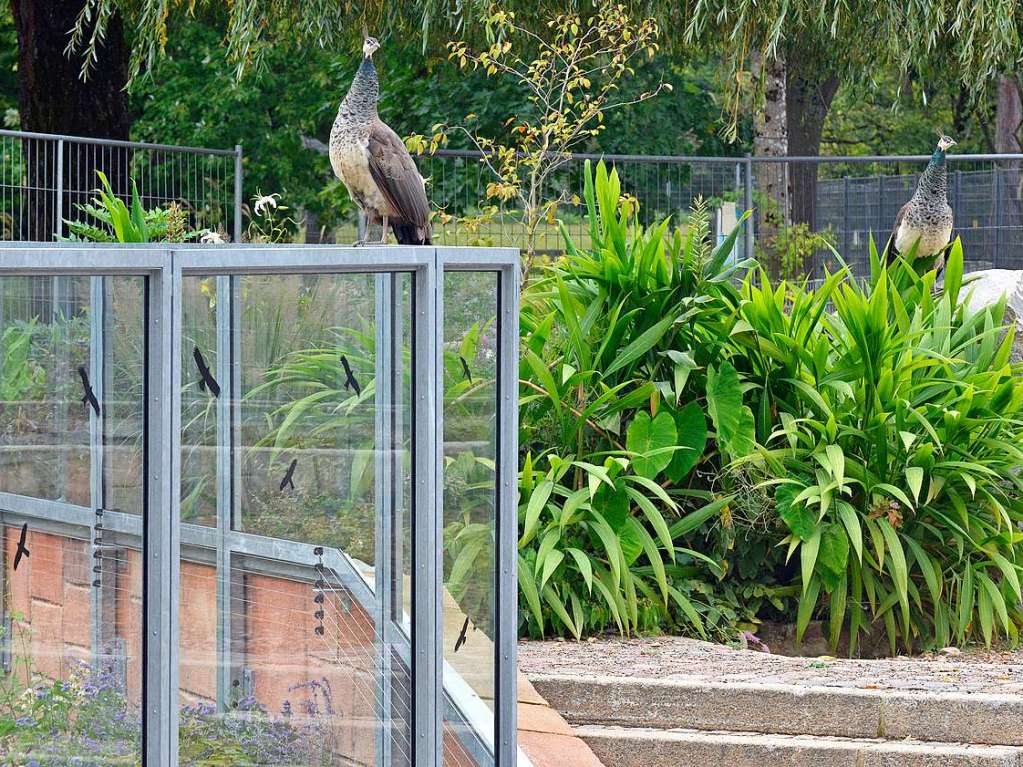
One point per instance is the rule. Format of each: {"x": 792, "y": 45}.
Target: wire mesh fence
{"x": 847, "y": 199}
{"x": 457, "y": 184}
{"x": 46, "y": 179}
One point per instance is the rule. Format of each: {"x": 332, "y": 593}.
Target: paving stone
{"x": 648, "y": 747}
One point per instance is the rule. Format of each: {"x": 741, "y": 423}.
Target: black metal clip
{"x": 319, "y": 598}
{"x": 350, "y": 382}
{"x": 207, "y": 381}
{"x": 289, "y": 476}
{"x": 88, "y": 395}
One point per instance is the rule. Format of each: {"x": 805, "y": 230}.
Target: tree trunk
{"x": 1009, "y": 114}
{"x": 809, "y": 91}
{"x": 1008, "y": 130}
{"x": 808, "y": 96}
{"x": 770, "y": 139}
{"x": 53, "y": 98}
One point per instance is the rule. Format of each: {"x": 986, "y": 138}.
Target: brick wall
{"x": 273, "y": 631}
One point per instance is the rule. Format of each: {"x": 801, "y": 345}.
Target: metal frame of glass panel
{"x": 163, "y": 536}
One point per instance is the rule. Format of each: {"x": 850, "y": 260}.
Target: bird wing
{"x": 396, "y": 175}
{"x": 890, "y": 251}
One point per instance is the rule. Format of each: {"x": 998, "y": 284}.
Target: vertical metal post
{"x": 225, "y": 485}
{"x": 237, "y": 235}
{"x": 161, "y": 518}
{"x": 506, "y": 698}
{"x": 383, "y": 456}
{"x": 60, "y": 315}
{"x": 845, "y": 219}
{"x": 59, "y": 207}
{"x": 748, "y": 202}
{"x": 426, "y": 549}
{"x": 880, "y": 228}
{"x": 996, "y": 256}
{"x": 97, "y": 371}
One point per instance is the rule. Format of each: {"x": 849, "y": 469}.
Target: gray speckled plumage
{"x": 926, "y": 219}
{"x": 374, "y": 165}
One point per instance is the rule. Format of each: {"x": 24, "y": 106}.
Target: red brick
{"x": 47, "y": 640}
{"x": 198, "y": 630}
{"x": 76, "y": 616}
{"x": 77, "y": 562}
{"x": 19, "y": 583}
{"x": 47, "y": 559}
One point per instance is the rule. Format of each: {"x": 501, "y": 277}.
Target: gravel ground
{"x": 987, "y": 671}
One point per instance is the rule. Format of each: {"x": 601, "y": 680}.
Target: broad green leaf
{"x": 691, "y": 430}
{"x": 649, "y": 438}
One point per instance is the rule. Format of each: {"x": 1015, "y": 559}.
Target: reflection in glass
{"x": 470, "y": 411}
{"x": 283, "y": 656}
{"x": 71, "y": 361}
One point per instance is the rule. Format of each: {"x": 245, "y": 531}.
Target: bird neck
{"x": 934, "y": 180}
{"x": 365, "y": 91}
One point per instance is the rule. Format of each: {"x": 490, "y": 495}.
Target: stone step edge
{"x": 650, "y": 747}
{"x": 772, "y": 708}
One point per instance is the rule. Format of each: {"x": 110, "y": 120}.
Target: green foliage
{"x": 620, "y": 344}
{"x": 117, "y": 221}
{"x": 891, "y": 429}
{"x": 21, "y": 377}
{"x": 794, "y": 245}
{"x": 849, "y": 452}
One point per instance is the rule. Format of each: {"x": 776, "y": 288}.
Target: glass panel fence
{"x": 296, "y": 551}
{"x": 296, "y": 452}
{"x": 470, "y": 422}
{"x": 72, "y": 361}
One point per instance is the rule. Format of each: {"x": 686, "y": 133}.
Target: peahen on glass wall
{"x": 373, "y": 163}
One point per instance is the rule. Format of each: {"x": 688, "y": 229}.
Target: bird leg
{"x": 365, "y": 235}
{"x": 383, "y": 232}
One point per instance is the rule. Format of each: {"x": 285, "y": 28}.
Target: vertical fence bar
{"x": 59, "y": 207}
{"x": 225, "y": 484}
{"x": 384, "y": 455}
{"x": 426, "y": 549}
{"x": 238, "y": 193}
{"x": 748, "y": 202}
{"x": 996, "y": 256}
{"x": 845, "y": 219}
{"x": 161, "y": 518}
{"x": 506, "y": 698}
{"x": 97, "y": 370}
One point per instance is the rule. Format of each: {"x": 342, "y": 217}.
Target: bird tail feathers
{"x": 410, "y": 234}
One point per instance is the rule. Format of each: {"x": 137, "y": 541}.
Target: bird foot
{"x": 359, "y": 243}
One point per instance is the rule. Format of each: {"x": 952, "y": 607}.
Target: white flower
{"x": 209, "y": 237}
{"x": 265, "y": 203}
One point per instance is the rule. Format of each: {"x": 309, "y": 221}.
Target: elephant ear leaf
{"x": 691, "y": 431}
{"x": 733, "y": 421}
{"x": 651, "y": 440}
{"x": 724, "y": 400}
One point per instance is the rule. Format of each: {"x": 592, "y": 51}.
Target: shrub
{"x": 892, "y": 427}
{"x": 619, "y": 354}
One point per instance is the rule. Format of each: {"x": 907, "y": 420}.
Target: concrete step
{"x": 648, "y": 747}
{"x": 780, "y": 709}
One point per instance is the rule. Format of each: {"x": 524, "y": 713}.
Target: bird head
{"x": 944, "y": 142}
{"x": 369, "y": 44}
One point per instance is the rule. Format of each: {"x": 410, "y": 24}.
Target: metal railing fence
{"x": 45, "y": 178}
{"x": 848, "y": 198}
